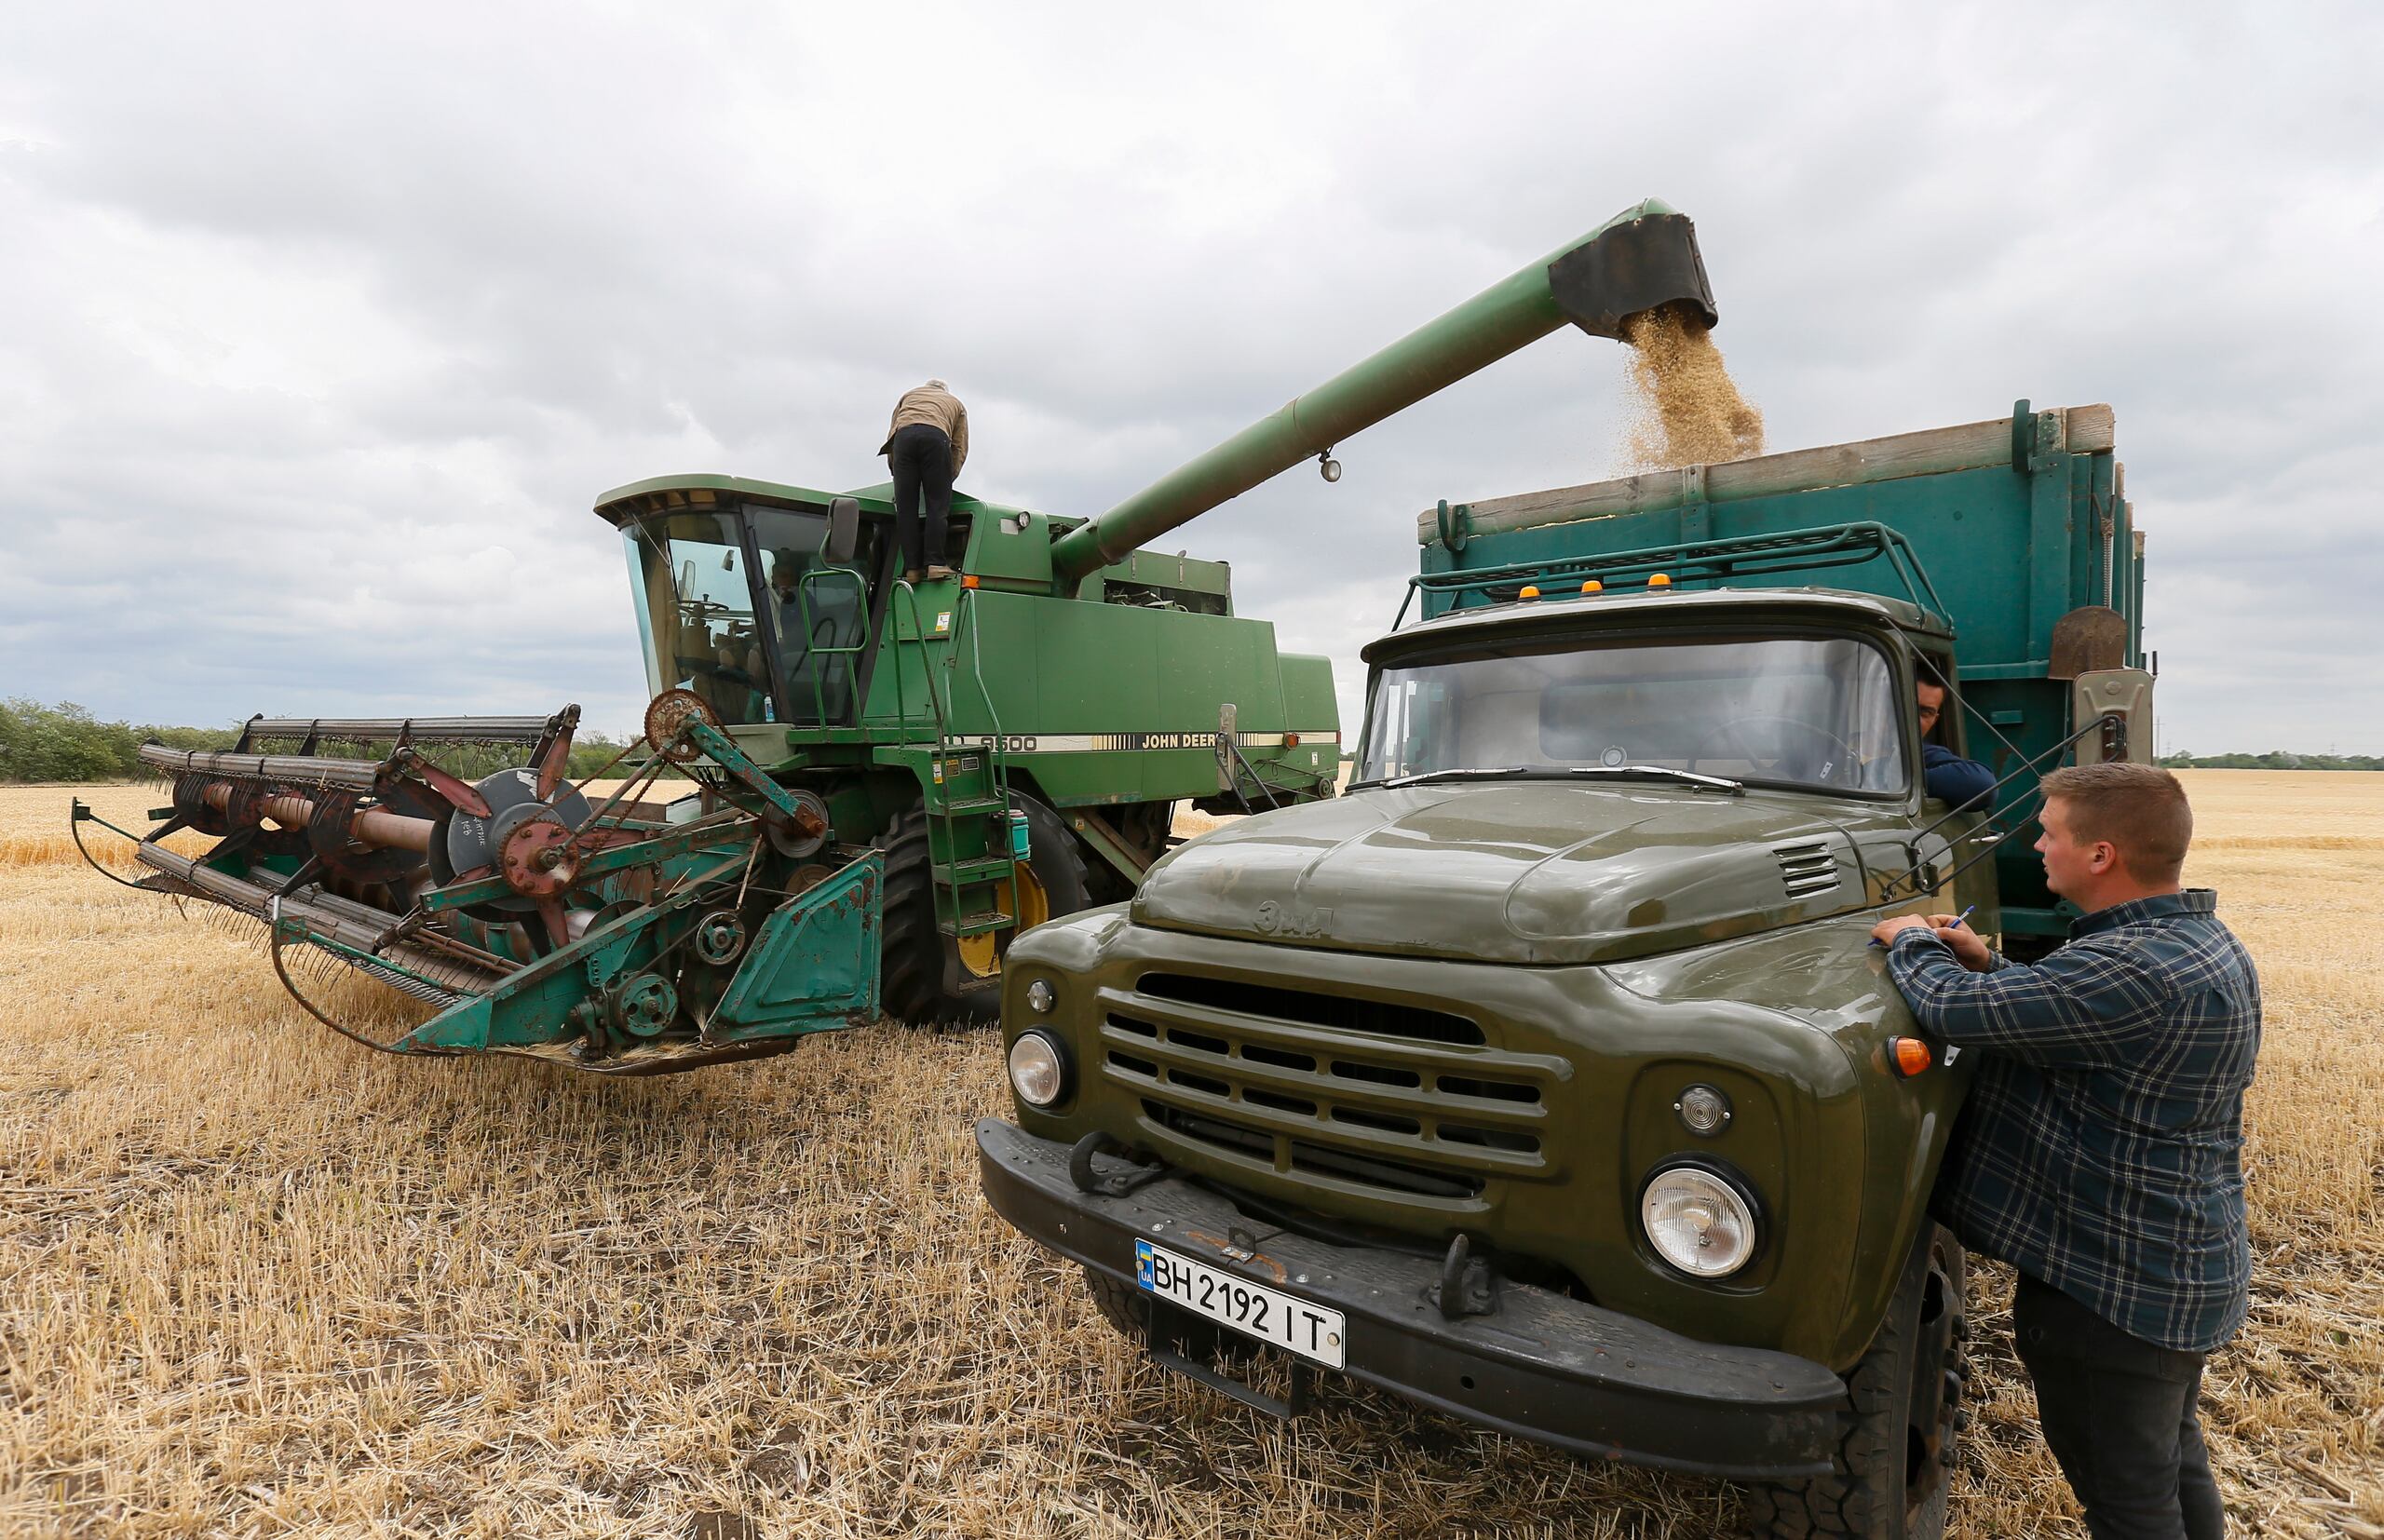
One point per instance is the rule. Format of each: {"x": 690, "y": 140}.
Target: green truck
{"x": 1548, "y": 1076}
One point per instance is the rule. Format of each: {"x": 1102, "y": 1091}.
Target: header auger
{"x": 532, "y": 915}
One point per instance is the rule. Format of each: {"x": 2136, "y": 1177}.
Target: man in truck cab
{"x": 1949, "y": 777}
{"x": 2100, "y": 1152}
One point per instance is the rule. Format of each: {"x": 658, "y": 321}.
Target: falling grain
{"x": 1689, "y": 411}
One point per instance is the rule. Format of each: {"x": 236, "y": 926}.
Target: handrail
{"x": 802, "y": 587}
{"x": 905, "y": 594}
{"x": 1705, "y": 561}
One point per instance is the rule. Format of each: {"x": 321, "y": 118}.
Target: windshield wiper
{"x": 1571, "y": 772}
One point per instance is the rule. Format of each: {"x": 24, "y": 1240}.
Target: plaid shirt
{"x": 2101, "y": 1148}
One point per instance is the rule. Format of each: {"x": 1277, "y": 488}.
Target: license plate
{"x": 1253, "y": 1309}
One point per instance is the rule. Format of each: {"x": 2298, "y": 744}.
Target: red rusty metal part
{"x": 244, "y": 804}
{"x": 557, "y": 759}
{"x": 458, "y": 794}
{"x": 667, "y": 715}
{"x": 538, "y": 858}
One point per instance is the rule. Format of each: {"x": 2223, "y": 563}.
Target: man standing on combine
{"x": 2100, "y": 1153}
{"x": 925, "y": 447}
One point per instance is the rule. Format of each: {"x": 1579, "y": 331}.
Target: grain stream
{"x": 1685, "y": 408}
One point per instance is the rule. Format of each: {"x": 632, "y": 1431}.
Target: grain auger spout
{"x": 1643, "y": 259}
{"x": 531, "y": 915}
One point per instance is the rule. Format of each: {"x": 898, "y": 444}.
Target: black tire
{"x": 1896, "y": 1459}
{"x": 1128, "y": 1309}
{"x": 1121, "y": 1304}
{"x": 2029, "y": 949}
{"x": 921, "y": 979}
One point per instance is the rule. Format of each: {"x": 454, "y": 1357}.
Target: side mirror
{"x": 844, "y": 531}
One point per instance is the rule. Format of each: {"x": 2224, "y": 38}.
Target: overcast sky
{"x": 322, "y": 325}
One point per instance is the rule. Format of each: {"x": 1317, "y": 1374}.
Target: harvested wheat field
{"x": 255, "y": 1281}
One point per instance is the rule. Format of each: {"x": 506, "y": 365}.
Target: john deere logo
{"x": 1271, "y": 916}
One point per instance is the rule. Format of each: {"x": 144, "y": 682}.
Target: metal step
{"x": 981, "y": 869}
{"x": 971, "y": 806}
{"x": 976, "y": 924}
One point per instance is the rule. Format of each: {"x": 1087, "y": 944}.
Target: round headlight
{"x": 1041, "y": 996}
{"x": 1697, "y": 1222}
{"x": 1703, "y": 1110}
{"x": 1036, "y": 1069}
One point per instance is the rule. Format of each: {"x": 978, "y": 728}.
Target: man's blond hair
{"x": 2140, "y": 809}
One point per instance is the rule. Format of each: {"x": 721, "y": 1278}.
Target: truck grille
{"x": 1806, "y": 866}
{"x": 1335, "y": 1089}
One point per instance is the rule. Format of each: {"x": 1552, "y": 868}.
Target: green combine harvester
{"x": 890, "y": 780}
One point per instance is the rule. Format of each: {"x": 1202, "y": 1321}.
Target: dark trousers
{"x": 921, "y": 458}
{"x": 2117, "y": 1413}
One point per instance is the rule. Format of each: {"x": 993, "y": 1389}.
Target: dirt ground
{"x": 256, "y": 1281}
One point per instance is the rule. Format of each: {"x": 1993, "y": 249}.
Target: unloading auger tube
{"x": 532, "y": 916}
{"x": 1643, "y": 259}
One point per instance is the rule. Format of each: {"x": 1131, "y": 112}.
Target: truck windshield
{"x": 1819, "y": 712}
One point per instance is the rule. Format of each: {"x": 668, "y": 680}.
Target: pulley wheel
{"x": 666, "y": 714}
{"x": 643, "y": 1005}
{"x": 787, "y": 836}
{"x": 720, "y": 937}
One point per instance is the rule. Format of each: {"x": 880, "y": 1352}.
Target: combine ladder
{"x": 966, "y": 793}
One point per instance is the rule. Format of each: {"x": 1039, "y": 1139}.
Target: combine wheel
{"x": 926, "y": 975}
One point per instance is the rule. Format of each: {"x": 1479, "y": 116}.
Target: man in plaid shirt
{"x": 2100, "y": 1152}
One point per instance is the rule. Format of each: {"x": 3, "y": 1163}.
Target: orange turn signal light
{"x": 1530, "y": 590}
{"x": 969, "y": 580}
{"x": 1290, "y": 740}
{"x": 1594, "y": 586}
{"x": 1909, "y": 1055}
{"x": 1660, "y": 580}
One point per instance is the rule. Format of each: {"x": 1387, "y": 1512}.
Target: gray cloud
{"x": 319, "y": 333}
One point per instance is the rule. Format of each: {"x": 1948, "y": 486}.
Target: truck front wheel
{"x": 1895, "y": 1462}
{"x": 1128, "y": 1309}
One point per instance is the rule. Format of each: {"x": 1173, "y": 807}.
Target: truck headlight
{"x": 1038, "y": 1069}
{"x": 1698, "y": 1221}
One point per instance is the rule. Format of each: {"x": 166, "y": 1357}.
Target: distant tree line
{"x": 66, "y": 743}
{"x": 2275, "y": 758}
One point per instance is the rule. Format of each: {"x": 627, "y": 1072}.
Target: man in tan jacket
{"x": 925, "y": 447}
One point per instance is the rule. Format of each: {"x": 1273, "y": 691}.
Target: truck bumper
{"x": 1540, "y": 1365}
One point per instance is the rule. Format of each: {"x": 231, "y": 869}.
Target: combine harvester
{"x": 890, "y": 780}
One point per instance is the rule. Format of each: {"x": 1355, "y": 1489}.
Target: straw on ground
{"x": 256, "y": 1281}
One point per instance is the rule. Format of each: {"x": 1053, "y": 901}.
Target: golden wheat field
{"x": 256, "y": 1281}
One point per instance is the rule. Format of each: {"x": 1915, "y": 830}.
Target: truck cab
{"x": 1548, "y": 1076}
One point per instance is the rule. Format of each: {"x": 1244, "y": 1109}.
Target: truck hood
{"x": 1517, "y": 871}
